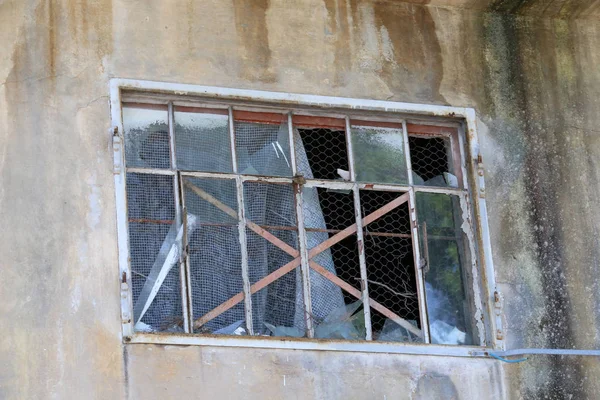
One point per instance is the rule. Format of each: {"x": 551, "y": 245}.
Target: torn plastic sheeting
{"x": 392, "y": 332}
{"x": 234, "y": 329}
{"x": 289, "y": 331}
{"x": 165, "y": 260}
{"x": 343, "y": 323}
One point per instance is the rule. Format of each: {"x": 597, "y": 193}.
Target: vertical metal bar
{"x": 420, "y": 278}
{"x": 407, "y": 154}
{"x": 241, "y": 229}
{"x": 186, "y": 252}
{"x": 292, "y": 144}
{"x": 302, "y": 240}
{"x": 125, "y": 279}
{"x": 421, "y": 296}
{"x": 359, "y": 236}
{"x": 463, "y": 163}
{"x": 178, "y": 220}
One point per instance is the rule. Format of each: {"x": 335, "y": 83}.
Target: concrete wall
{"x": 535, "y": 83}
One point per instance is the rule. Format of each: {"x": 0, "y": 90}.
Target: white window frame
{"x": 488, "y": 305}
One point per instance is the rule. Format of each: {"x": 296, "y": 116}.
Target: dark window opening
{"x": 326, "y": 151}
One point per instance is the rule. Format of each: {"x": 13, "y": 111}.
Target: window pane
{"x": 152, "y": 235}
{"x": 263, "y": 149}
{"x": 390, "y": 267}
{"x": 447, "y": 278}
{"x": 321, "y": 153}
{"x": 278, "y": 309}
{"x": 432, "y": 162}
{"x": 337, "y": 314}
{"x": 214, "y": 253}
{"x": 202, "y": 142}
{"x": 146, "y": 137}
{"x": 379, "y": 155}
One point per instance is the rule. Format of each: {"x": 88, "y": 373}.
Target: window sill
{"x": 307, "y": 344}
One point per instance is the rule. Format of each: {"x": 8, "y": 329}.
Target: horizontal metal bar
{"x": 225, "y": 94}
{"x": 438, "y": 189}
{"x": 283, "y": 343}
{"x": 151, "y": 221}
{"x": 153, "y": 171}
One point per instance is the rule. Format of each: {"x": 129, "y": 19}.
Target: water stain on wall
{"x": 253, "y": 34}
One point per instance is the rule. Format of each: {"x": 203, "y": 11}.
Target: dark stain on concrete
{"x": 417, "y": 67}
{"x": 525, "y": 64}
{"x": 339, "y": 25}
{"x": 253, "y": 34}
{"x": 436, "y": 386}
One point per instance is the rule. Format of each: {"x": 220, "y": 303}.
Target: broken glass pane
{"x": 202, "y": 141}
{"x": 214, "y": 253}
{"x": 379, "y": 155}
{"x": 447, "y": 279}
{"x": 152, "y": 241}
{"x": 263, "y": 149}
{"x": 432, "y": 162}
{"x": 146, "y": 137}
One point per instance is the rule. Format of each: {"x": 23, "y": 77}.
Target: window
{"x": 267, "y": 220}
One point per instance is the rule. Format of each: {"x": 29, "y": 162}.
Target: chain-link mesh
{"x": 146, "y": 138}
{"x": 202, "y": 142}
{"x": 431, "y": 161}
{"x": 263, "y": 149}
{"x": 326, "y": 149}
{"x": 390, "y": 265}
{"x": 151, "y": 215}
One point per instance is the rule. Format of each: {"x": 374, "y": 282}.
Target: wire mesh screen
{"x": 202, "y": 141}
{"x": 214, "y": 252}
{"x": 263, "y": 149}
{"x": 152, "y": 232}
{"x": 326, "y": 149}
{"x": 146, "y": 137}
{"x": 431, "y": 161}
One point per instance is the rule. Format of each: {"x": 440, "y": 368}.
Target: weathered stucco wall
{"x": 535, "y": 83}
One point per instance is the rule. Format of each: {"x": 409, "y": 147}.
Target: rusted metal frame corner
{"x": 302, "y": 240}
{"x": 294, "y": 253}
{"x": 119, "y": 170}
{"x": 183, "y": 283}
{"x": 364, "y": 282}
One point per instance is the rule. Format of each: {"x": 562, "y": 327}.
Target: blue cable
{"x": 506, "y": 360}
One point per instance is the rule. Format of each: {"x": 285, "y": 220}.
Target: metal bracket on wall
{"x": 118, "y": 152}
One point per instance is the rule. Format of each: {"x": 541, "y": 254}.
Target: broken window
{"x": 291, "y": 225}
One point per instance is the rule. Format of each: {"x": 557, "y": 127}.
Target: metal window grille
{"x": 276, "y": 224}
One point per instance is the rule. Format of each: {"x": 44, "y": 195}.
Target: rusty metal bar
{"x": 358, "y": 294}
{"x": 364, "y": 282}
{"x": 294, "y": 263}
{"x": 305, "y": 270}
